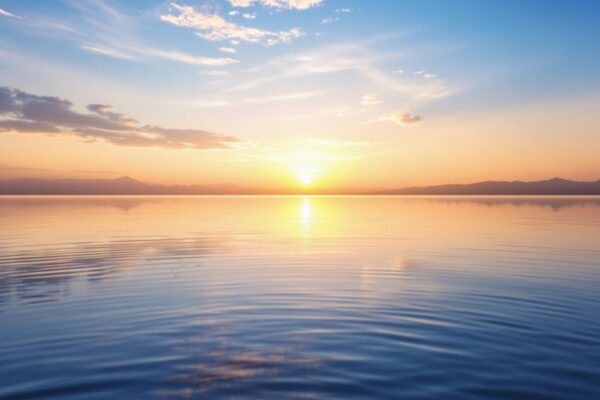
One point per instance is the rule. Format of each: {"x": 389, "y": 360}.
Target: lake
{"x": 291, "y": 297}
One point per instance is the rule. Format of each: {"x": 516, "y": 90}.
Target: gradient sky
{"x": 285, "y": 93}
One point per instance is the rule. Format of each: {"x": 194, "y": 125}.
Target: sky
{"x": 318, "y": 94}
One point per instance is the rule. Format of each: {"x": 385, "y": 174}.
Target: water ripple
{"x": 305, "y": 298}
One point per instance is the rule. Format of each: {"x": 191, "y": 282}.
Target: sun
{"x": 305, "y": 179}
{"x": 305, "y": 175}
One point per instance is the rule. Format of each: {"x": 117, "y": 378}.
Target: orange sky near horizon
{"x": 436, "y": 152}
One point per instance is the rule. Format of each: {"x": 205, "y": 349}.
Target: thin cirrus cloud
{"x": 109, "y": 52}
{"x": 286, "y": 96}
{"x": 228, "y": 50}
{"x": 105, "y": 40}
{"x": 27, "y": 113}
{"x": 4, "y": 13}
{"x": 355, "y": 59}
{"x": 189, "y": 58}
{"x": 289, "y": 4}
{"x": 121, "y": 43}
{"x": 127, "y": 53}
{"x": 213, "y": 27}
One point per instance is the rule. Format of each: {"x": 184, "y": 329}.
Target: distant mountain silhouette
{"x": 555, "y": 186}
{"x": 123, "y": 186}
{"x": 130, "y": 186}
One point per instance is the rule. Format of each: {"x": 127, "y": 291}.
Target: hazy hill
{"x": 124, "y": 185}
{"x": 555, "y": 186}
{"x": 129, "y": 186}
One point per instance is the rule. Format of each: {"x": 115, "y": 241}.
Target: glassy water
{"x": 299, "y": 297}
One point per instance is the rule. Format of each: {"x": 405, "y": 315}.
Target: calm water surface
{"x": 299, "y": 297}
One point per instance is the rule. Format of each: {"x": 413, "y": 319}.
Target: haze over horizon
{"x": 307, "y": 94}
{"x": 129, "y": 186}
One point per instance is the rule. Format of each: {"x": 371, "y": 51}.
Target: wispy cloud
{"x": 356, "y": 58}
{"x": 128, "y": 52}
{"x": 5, "y": 13}
{"x": 107, "y": 31}
{"x": 188, "y": 58}
{"x": 227, "y": 49}
{"x": 27, "y": 113}
{"x": 329, "y": 20}
{"x": 285, "y": 96}
{"x": 213, "y": 27}
{"x": 106, "y": 51}
{"x": 324, "y": 61}
{"x": 425, "y": 74}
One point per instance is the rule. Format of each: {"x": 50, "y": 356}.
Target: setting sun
{"x": 306, "y": 180}
{"x": 306, "y": 175}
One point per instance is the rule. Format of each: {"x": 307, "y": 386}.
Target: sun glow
{"x": 306, "y": 175}
{"x": 306, "y": 180}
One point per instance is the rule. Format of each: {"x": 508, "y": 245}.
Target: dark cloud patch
{"x": 406, "y": 119}
{"x": 107, "y": 112}
{"x": 6, "y": 100}
{"x": 28, "y": 113}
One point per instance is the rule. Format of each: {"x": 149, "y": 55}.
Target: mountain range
{"x": 130, "y": 186}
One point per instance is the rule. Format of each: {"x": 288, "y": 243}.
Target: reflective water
{"x": 299, "y": 297}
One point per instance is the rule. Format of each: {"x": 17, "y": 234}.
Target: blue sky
{"x": 377, "y": 80}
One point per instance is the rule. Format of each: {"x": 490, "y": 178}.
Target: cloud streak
{"x": 27, "y": 113}
{"x": 349, "y": 58}
{"x": 285, "y": 96}
{"x": 5, "y": 13}
{"x": 107, "y": 51}
{"x": 126, "y": 53}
